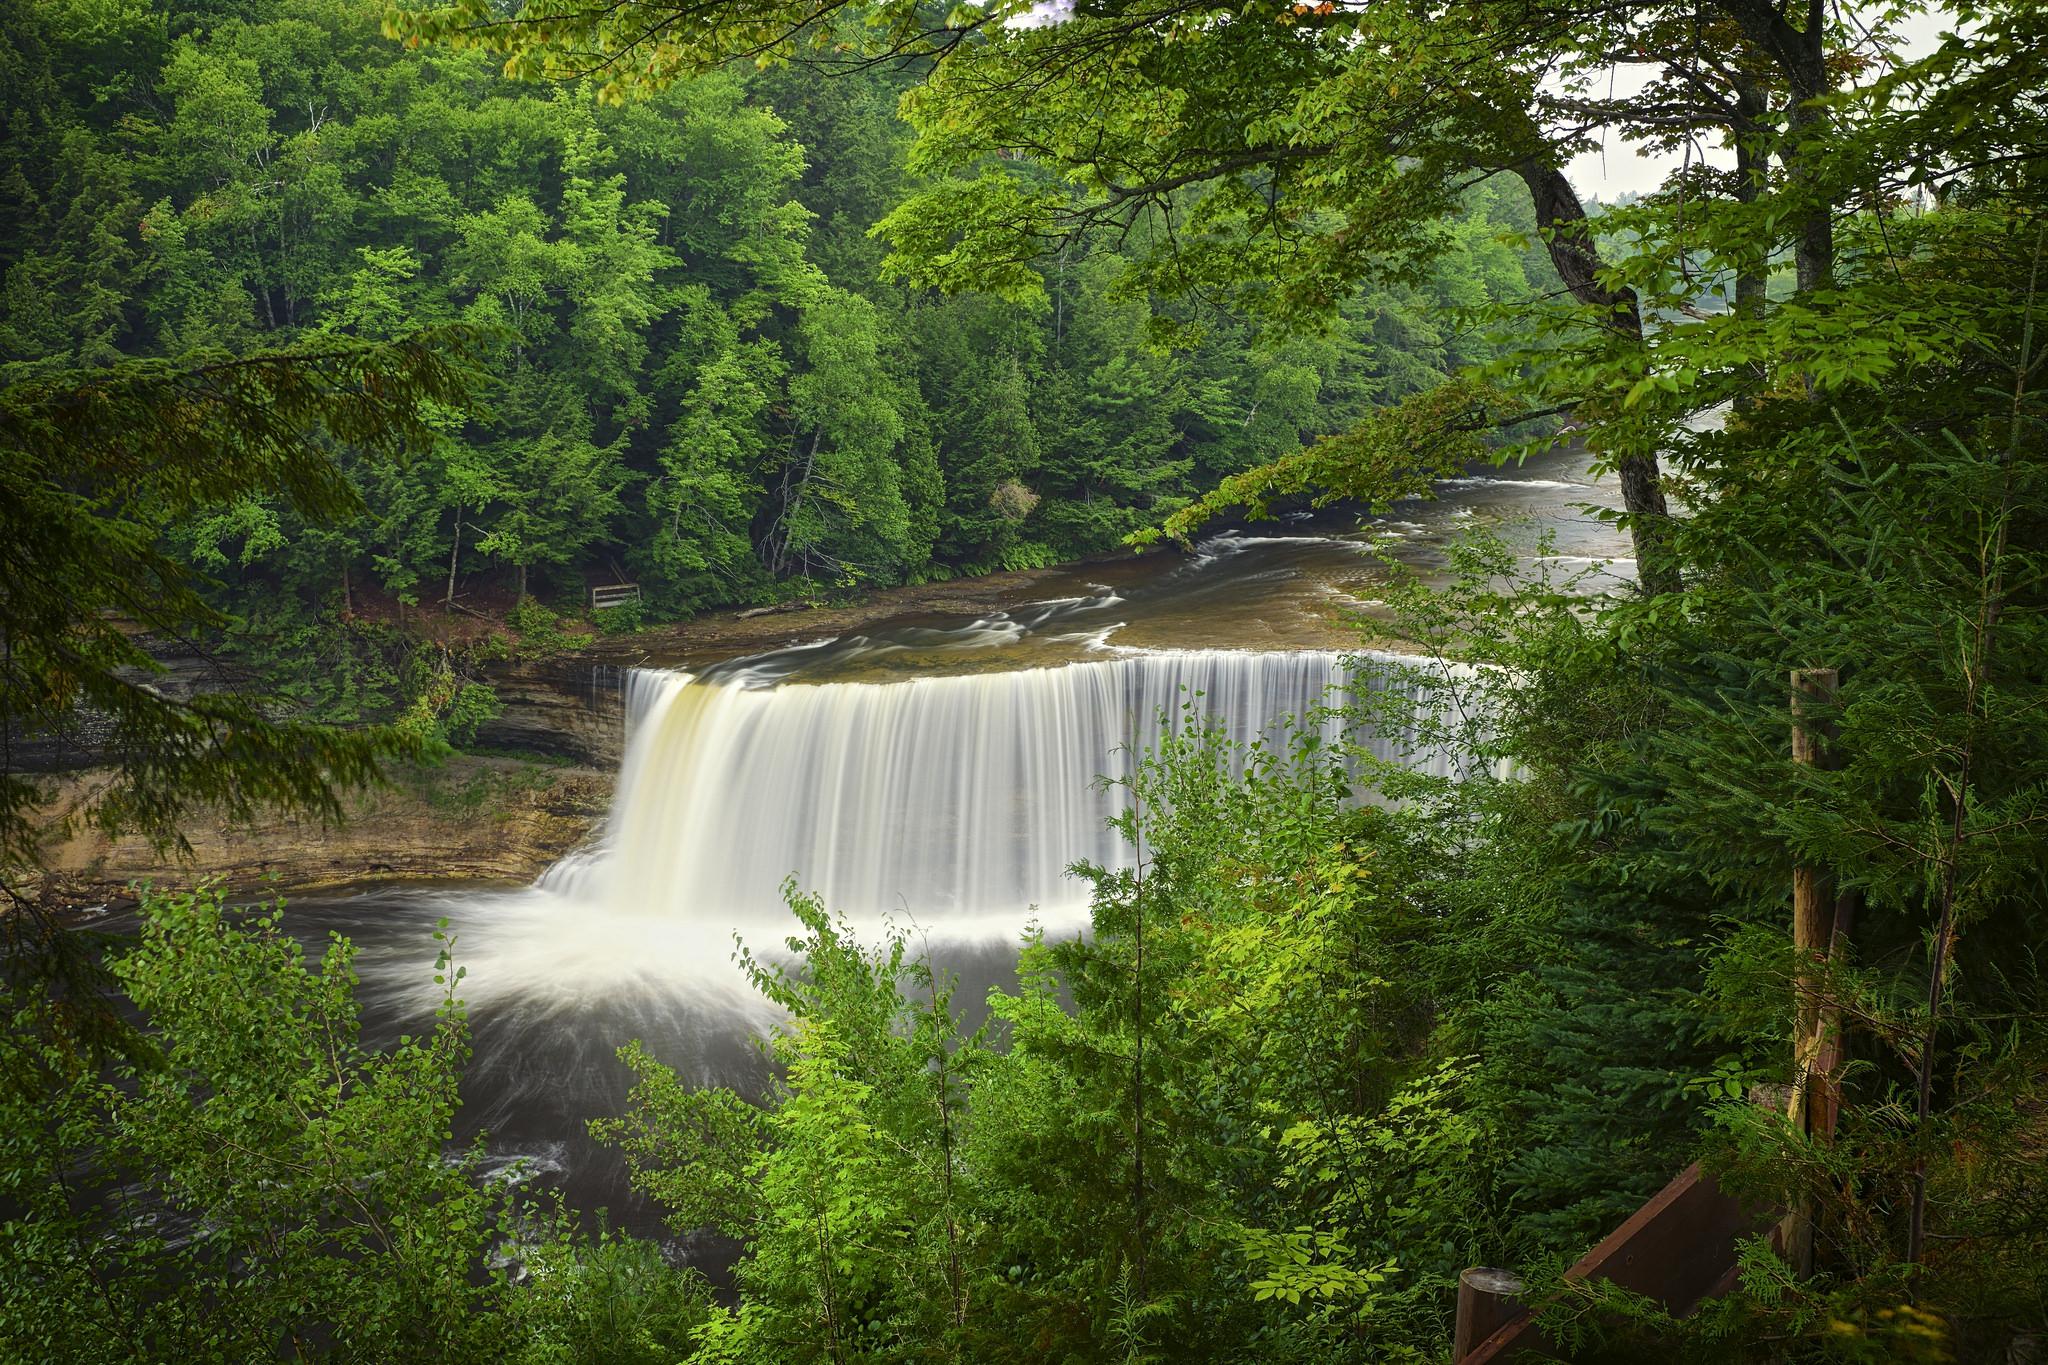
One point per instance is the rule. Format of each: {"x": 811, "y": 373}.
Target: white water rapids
{"x": 934, "y": 769}
{"x": 946, "y": 799}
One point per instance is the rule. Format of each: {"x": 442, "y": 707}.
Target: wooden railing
{"x": 614, "y": 595}
{"x": 1679, "y": 1249}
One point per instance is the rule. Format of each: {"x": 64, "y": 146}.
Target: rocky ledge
{"x": 479, "y": 818}
{"x": 472, "y": 819}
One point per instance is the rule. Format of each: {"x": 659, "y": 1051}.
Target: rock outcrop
{"x": 471, "y": 819}
{"x": 569, "y": 706}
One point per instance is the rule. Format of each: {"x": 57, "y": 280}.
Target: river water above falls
{"x": 937, "y": 771}
{"x": 1308, "y": 582}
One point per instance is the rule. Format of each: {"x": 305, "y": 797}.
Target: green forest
{"x": 353, "y": 344}
{"x": 694, "y": 374}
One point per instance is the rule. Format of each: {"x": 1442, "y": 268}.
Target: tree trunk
{"x": 1813, "y": 252}
{"x": 1059, "y": 300}
{"x": 454, "y": 556}
{"x": 1561, "y": 217}
{"x": 1752, "y": 277}
{"x": 1801, "y": 54}
{"x": 522, "y": 582}
{"x": 1814, "y": 1086}
{"x": 793, "y": 491}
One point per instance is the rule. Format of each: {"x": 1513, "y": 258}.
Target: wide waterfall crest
{"x": 947, "y": 798}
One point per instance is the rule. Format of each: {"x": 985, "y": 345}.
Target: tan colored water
{"x": 1313, "y": 583}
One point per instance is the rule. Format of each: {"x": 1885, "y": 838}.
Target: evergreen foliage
{"x": 1344, "y": 1028}
{"x": 255, "y": 1183}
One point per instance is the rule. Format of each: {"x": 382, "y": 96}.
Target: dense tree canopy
{"x": 698, "y": 377}
{"x": 307, "y": 332}
{"x": 1279, "y": 154}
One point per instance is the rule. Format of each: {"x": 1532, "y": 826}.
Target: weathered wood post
{"x": 1678, "y": 1249}
{"x": 1815, "y": 1099}
{"x": 1488, "y": 1300}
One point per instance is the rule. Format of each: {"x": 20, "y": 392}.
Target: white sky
{"x": 1621, "y": 168}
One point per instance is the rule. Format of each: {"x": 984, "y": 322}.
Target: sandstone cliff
{"x": 475, "y": 819}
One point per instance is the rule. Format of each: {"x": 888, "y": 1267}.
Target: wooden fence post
{"x": 1488, "y": 1300}
{"x": 1815, "y": 1099}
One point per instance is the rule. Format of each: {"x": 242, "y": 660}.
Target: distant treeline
{"x": 700, "y": 380}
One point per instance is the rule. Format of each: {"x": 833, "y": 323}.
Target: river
{"x": 932, "y": 770}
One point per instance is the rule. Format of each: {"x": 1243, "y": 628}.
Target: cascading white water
{"x": 959, "y": 798}
{"x": 948, "y": 798}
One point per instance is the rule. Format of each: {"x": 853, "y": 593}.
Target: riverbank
{"x": 473, "y": 818}
{"x": 1307, "y": 584}
{"x": 479, "y": 817}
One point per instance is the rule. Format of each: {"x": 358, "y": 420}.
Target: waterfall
{"x": 945, "y": 797}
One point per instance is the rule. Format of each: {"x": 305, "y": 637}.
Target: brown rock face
{"x": 570, "y": 706}
{"x": 471, "y": 819}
